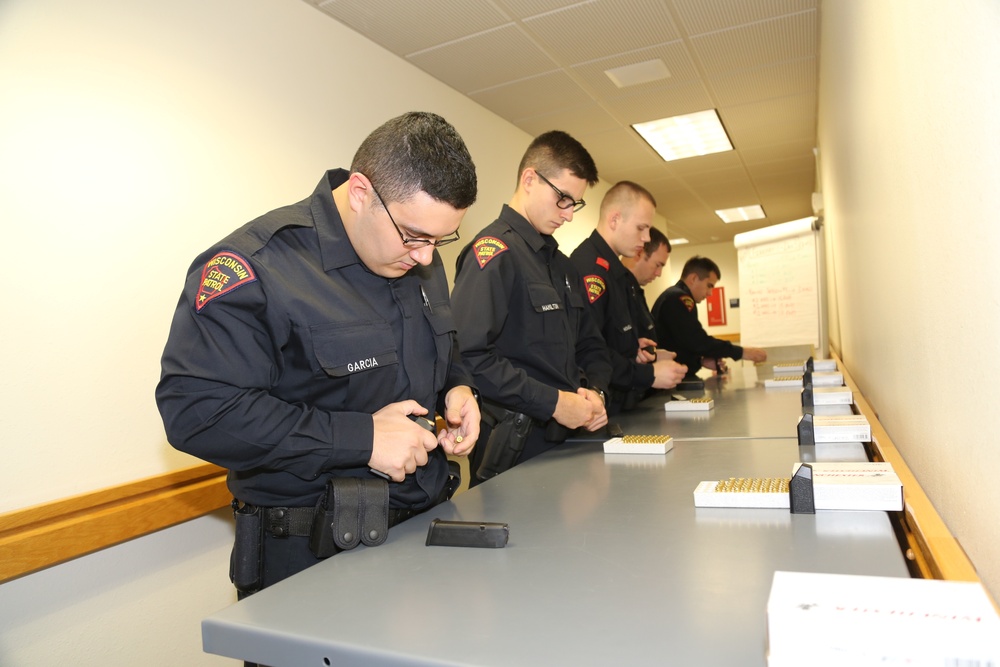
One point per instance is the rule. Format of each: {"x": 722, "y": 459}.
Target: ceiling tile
{"x": 586, "y": 31}
{"x": 485, "y": 60}
{"x": 765, "y": 82}
{"x": 545, "y": 93}
{"x": 578, "y": 121}
{"x": 404, "y": 26}
{"x": 701, "y": 16}
{"x": 790, "y": 37}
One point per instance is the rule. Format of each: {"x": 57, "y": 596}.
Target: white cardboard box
{"x": 826, "y": 620}
{"x": 841, "y": 428}
{"x": 836, "y": 486}
{"x": 832, "y": 396}
{"x": 690, "y": 405}
{"x": 827, "y": 379}
{"x": 633, "y": 444}
{"x": 846, "y": 485}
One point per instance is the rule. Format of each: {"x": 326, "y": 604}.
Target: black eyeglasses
{"x": 411, "y": 243}
{"x": 565, "y": 201}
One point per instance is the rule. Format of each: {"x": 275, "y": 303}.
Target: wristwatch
{"x": 600, "y": 393}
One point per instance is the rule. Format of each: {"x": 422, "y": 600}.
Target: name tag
{"x": 364, "y": 364}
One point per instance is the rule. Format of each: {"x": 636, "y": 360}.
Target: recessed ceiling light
{"x": 680, "y": 241}
{"x": 677, "y": 137}
{"x": 741, "y": 213}
{"x": 633, "y": 75}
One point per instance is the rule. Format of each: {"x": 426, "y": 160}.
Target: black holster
{"x": 505, "y": 444}
{"x": 351, "y": 511}
{"x": 245, "y": 562}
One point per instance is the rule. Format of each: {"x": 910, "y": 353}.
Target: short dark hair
{"x": 656, "y": 239}
{"x": 701, "y": 267}
{"x": 418, "y": 152}
{"x": 554, "y": 151}
{"x": 625, "y": 192}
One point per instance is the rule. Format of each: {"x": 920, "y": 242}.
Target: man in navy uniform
{"x": 613, "y": 293}
{"x": 675, "y": 314}
{"x": 523, "y": 326}
{"x": 646, "y": 267}
{"x": 306, "y": 343}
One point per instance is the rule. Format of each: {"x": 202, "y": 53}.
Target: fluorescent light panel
{"x": 741, "y": 213}
{"x": 699, "y": 133}
{"x": 680, "y": 241}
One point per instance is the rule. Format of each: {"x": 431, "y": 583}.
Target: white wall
{"x": 133, "y": 134}
{"x": 909, "y": 139}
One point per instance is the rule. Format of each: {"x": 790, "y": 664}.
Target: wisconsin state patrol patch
{"x": 487, "y": 248}
{"x": 223, "y": 273}
{"x": 603, "y": 263}
{"x": 595, "y": 287}
{"x": 688, "y": 302}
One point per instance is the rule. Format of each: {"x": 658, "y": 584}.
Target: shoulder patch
{"x": 595, "y": 287}
{"x": 223, "y": 273}
{"x": 603, "y": 263}
{"x": 487, "y": 248}
{"x": 688, "y": 302}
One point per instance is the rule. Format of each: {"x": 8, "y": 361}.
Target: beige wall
{"x": 909, "y": 140}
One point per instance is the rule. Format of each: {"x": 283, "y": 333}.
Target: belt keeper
{"x": 277, "y": 523}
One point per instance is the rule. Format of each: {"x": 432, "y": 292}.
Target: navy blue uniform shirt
{"x": 523, "y": 326}
{"x": 284, "y": 344}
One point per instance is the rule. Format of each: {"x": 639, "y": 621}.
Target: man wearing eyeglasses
{"x": 523, "y": 327}
{"x": 307, "y": 344}
{"x": 623, "y": 228}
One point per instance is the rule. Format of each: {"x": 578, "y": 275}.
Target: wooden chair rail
{"x": 38, "y": 537}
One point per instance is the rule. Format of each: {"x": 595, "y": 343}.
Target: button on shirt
{"x": 284, "y": 344}
{"x": 523, "y": 327}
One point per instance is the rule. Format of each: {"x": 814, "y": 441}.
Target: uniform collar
{"x": 684, "y": 287}
{"x": 334, "y": 244}
{"x": 523, "y": 228}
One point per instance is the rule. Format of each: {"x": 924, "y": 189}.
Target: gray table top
{"x": 609, "y": 563}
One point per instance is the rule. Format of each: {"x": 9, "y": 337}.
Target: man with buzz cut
{"x": 523, "y": 327}
{"x": 623, "y": 229}
{"x": 675, "y": 314}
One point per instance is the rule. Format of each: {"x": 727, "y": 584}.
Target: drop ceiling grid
{"x": 779, "y": 150}
{"x": 579, "y": 121}
{"x": 542, "y": 94}
{"x": 702, "y": 16}
{"x": 603, "y": 28}
{"x": 403, "y": 26}
{"x": 651, "y": 103}
{"x": 489, "y": 59}
{"x": 618, "y": 150}
{"x": 776, "y": 40}
{"x": 769, "y": 81}
{"x": 757, "y": 124}
{"x": 522, "y": 9}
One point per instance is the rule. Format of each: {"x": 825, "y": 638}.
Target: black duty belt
{"x": 297, "y": 521}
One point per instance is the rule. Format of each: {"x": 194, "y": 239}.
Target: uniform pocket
{"x": 343, "y": 350}
{"x": 544, "y": 297}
